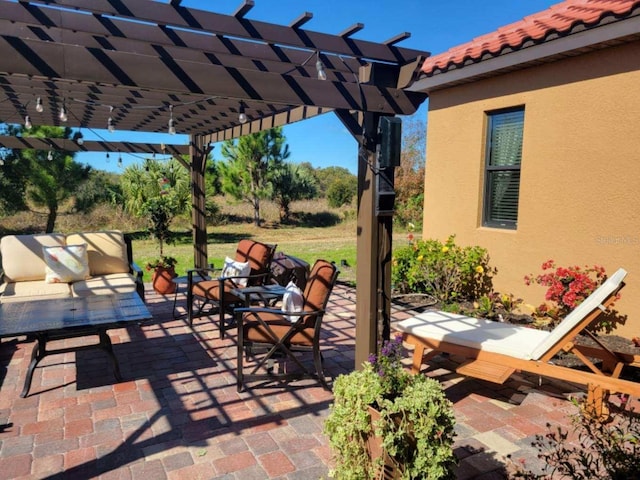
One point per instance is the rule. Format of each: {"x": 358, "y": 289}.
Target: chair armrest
{"x": 136, "y": 270}
{"x": 199, "y": 274}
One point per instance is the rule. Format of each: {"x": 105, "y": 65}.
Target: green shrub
{"x": 446, "y": 271}
{"x": 341, "y": 192}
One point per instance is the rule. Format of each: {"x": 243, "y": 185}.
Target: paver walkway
{"x": 177, "y": 414}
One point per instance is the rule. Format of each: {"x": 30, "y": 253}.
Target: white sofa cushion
{"x": 104, "y": 285}
{"x": 33, "y": 289}
{"x": 22, "y": 257}
{"x": 107, "y": 251}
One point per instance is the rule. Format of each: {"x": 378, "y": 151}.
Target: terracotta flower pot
{"x": 162, "y": 280}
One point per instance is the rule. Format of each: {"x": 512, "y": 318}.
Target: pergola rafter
{"x": 137, "y": 63}
{"x": 91, "y": 55}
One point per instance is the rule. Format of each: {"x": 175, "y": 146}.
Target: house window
{"x": 502, "y": 168}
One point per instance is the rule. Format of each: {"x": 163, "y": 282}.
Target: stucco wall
{"x": 580, "y": 178}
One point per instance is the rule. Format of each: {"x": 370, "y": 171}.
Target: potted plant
{"x": 164, "y": 272}
{"x": 383, "y": 417}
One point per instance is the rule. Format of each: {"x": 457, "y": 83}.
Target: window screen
{"x": 502, "y": 175}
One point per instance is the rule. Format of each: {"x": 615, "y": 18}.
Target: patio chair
{"x": 224, "y": 292}
{"x": 282, "y": 333}
{"x": 495, "y": 350}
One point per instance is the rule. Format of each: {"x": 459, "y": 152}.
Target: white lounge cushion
{"x": 22, "y": 257}
{"x": 512, "y": 340}
{"x": 104, "y": 285}
{"x": 107, "y": 251}
{"x": 33, "y": 290}
{"x": 478, "y": 333}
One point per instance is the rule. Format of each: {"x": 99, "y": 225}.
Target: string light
{"x": 110, "y": 126}
{"x": 27, "y": 123}
{"x": 63, "y": 114}
{"x": 39, "y": 106}
{"x": 322, "y": 75}
{"x": 172, "y": 127}
{"x": 120, "y": 160}
{"x": 107, "y": 159}
{"x": 242, "y": 117}
{"x": 50, "y": 155}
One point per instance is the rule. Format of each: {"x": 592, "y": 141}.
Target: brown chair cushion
{"x": 210, "y": 289}
{"x": 256, "y": 332}
{"x": 256, "y": 253}
{"x": 319, "y": 285}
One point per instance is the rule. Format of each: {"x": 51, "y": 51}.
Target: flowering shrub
{"x": 446, "y": 271}
{"x": 567, "y": 287}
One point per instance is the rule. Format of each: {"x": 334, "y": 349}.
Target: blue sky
{"x": 435, "y": 26}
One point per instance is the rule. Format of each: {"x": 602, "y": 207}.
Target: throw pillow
{"x": 292, "y": 301}
{"x": 66, "y": 264}
{"x": 233, "y": 268}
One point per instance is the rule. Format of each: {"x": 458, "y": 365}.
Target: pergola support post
{"x": 199, "y": 151}
{"x": 373, "y": 242}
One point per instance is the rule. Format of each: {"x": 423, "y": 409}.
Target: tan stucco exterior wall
{"x": 580, "y": 177}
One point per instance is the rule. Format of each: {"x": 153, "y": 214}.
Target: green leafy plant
{"x": 607, "y": 451}
{"x": 446, "y": 270}
{"x": 163, "y": 261}
{"x": 415, "y": 425}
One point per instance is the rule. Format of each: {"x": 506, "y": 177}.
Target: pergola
{"x": 146, "y": 66}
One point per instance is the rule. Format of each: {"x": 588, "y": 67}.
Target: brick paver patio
{"x": 177, "y": 414}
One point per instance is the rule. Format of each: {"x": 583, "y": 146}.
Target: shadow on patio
{"x": 177, "y": 413}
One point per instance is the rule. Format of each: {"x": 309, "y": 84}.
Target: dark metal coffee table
{"x": 59, "y": 319}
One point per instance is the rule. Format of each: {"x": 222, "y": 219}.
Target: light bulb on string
{"x": 172, "y": 127}
{"x": 120, "y": 160}
{"x": 107, "y": 159}
{"x": 322, "y": 74}
{"x": 242, "y": 117}
{"x": 50, "y": 155}
{"x": 110, "y": 126}
{"x": 39, "y": 106}
{"x": 27, "y": 123}
{"x": 63, "y": 114}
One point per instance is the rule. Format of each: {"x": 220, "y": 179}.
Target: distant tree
{"x": 250, "y": 166}
{"x": 53, "y": 176}
{"x": 341, "y": 192}
{"x": 13, "y": 180}
{"x": 292, "y": 182}
{"x": 157, "y": 191}
{"x": 153, "y": 179}
{"x": 327, "y": 176}
{"x": 100, "y": 188}
{"x": 409, "y": 176}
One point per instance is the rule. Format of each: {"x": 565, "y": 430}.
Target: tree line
{"x": 254, "y": 168}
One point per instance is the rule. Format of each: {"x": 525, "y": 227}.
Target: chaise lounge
{"x": 495, "y": 350}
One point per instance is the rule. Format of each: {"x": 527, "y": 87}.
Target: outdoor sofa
{"x": 54, "y": 265}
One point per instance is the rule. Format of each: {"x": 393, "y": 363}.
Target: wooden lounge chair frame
{"x": 494, "y": 362}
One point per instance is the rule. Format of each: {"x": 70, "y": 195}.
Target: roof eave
{"x": 627, "y": 28}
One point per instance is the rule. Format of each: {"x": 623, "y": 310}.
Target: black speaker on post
{"x": 390, "y": 143}
{"x": 390, "y": 130}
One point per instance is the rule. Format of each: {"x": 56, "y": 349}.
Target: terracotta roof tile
{"x": 560, "y": 18}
